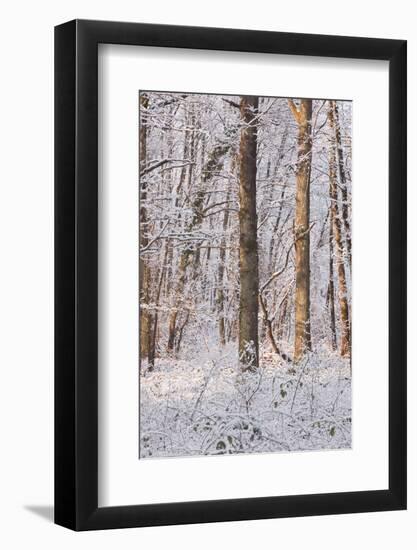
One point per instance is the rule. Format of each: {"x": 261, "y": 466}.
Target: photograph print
{"x": 245, "y": 260}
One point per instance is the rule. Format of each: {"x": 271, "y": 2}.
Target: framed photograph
{"x": 230, "y": 247}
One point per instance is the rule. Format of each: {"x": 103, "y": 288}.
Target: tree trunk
{"x": 302, "y": 115}
{"x": 337, "y": 231}
{"x": 144, "y": 270}
{"x": 184, "y": 262}
{"x": 270, "y": 331}
{"x": 154, "y": 332}
{"x": 335, "y": 123}
{"x": 330, "y": 289}
{"x": 248, "y": 253}
{"x": 220, "y": 276}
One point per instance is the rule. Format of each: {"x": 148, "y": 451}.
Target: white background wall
{"x": 26, "y": 272}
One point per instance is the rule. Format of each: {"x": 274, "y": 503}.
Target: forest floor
{"x": 207, "y": 406}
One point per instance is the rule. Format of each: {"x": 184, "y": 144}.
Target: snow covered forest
{"x": 245, "y": 274}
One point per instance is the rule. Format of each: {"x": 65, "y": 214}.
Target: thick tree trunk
{"x": 144, "y": 270}
{"x": 302, "y": 115}
{"x": 337, "y": 231}
{"x": 335, "y": 123}
{"x": 248, "y": 252}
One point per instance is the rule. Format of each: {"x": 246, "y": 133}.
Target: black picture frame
{"x": 76, "y": 272}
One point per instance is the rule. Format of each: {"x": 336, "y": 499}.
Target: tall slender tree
{"x": 302, "y": 115}
{"x": 330, "y": 288}
{"x": 144, "y": 267}
{"x": 335, "y": 123}
{"x": 220, "y": 294}
{"x": 340, "y": 252}
{"x": 248, "y": 241}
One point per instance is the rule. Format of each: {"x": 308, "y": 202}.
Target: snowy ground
{"x": 208, "y": 407}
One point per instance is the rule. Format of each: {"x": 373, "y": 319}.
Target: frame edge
{"x": 65, "y": 258}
